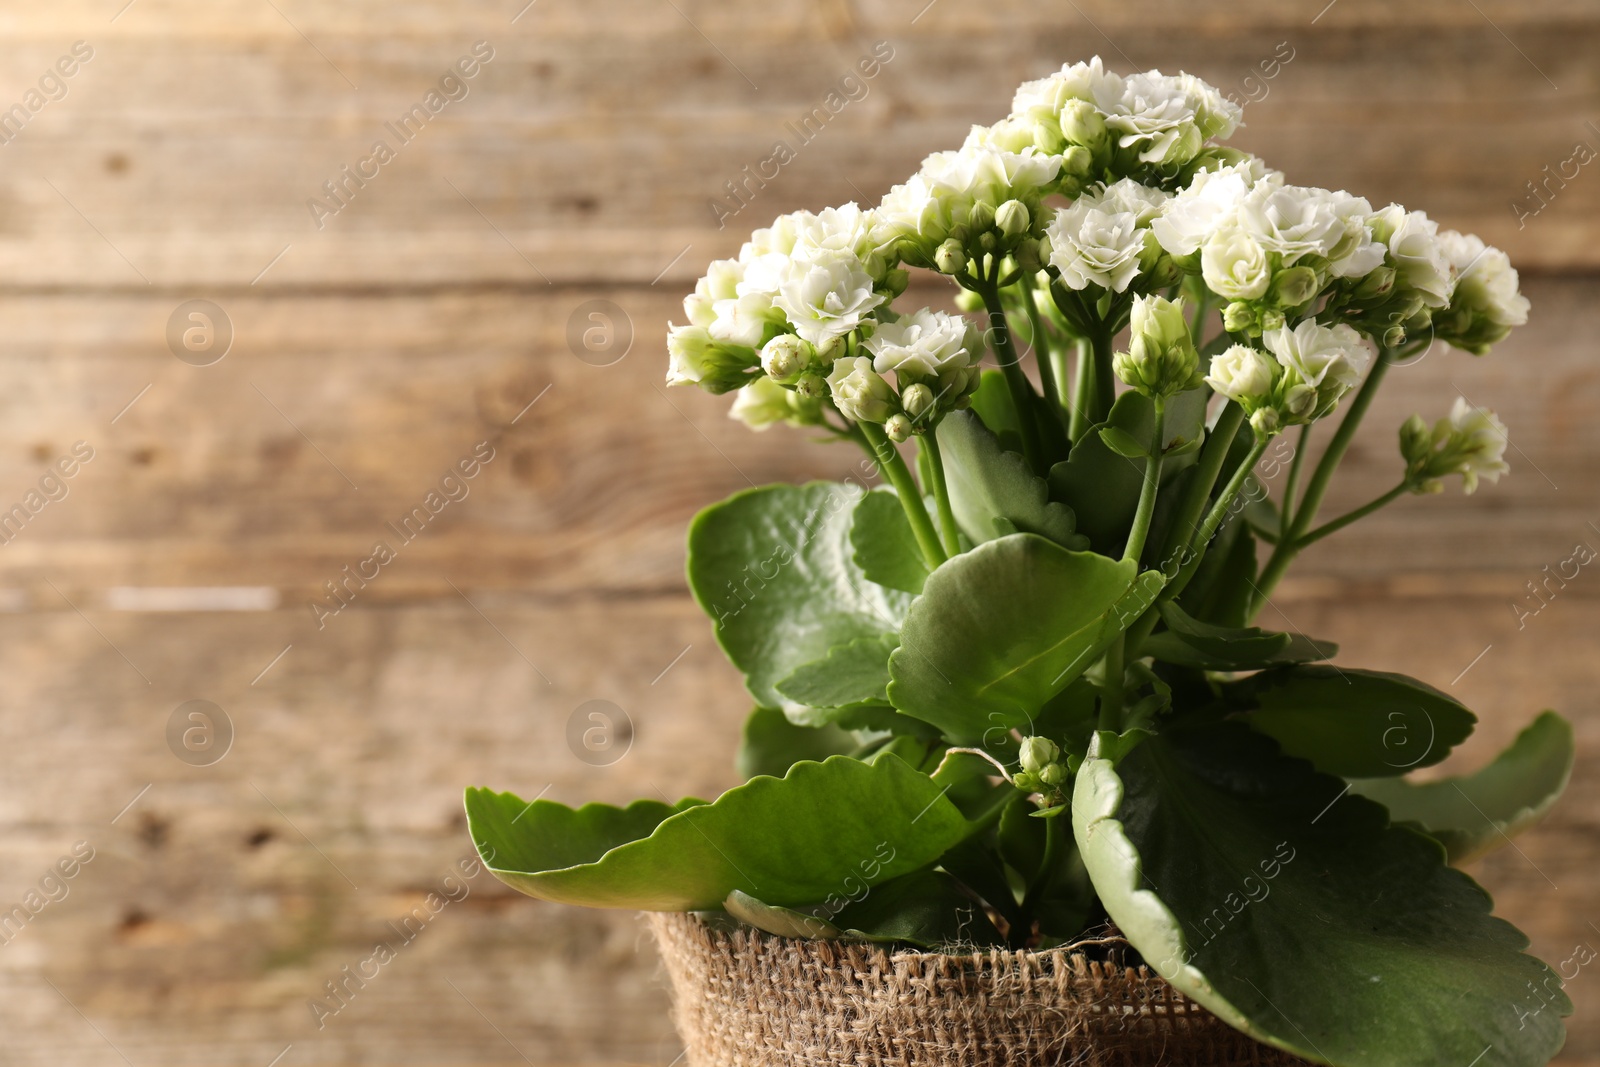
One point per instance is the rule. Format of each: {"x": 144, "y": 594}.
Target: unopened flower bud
{"x": 1027, "y": 256}
{"x": 811, "y": 386}
{"x": 1377, "y": 283}
{"x": 898, "y": 427}
{"x": 1013, "y": 218}
{"x": 859, "y": 392}
{"x": 896, "y": 280}
{"x": 1271, "y": 319}
{"x": 1161, "y": 358}
{"x": 1053, "y": 775}
{"x": 950, "y": 257}
{"x": 1082, "y": 123}
{"x": 1028, "y": 782}
{"x": 1293, "y": 287}
{"x": 987, "y": 242}
{"x": 1266, "y": 422}
{"x": 1238, "y": 317}
{"x": 785, "y": 357}
{"x": 831, "y": 349}
{"x": 916, "y": 400}
{"x": 1077, "y": 162}
{"x": 1416, "y": 441}
{"x": 1037, "y": 753}
{"x": 1394, "y": 336}
{"x": 982, "y": 216}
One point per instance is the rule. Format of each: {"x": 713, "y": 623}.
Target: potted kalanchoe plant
{"x": 1026, "y": 784}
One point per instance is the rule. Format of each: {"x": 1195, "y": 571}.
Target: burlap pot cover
{"x": 746, "y": 999}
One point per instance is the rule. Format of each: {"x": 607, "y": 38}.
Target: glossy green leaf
{"x": 1102, "y": 487}
{"x": 796, "y": 840}
{"x": 1123, "y": 443}
{"x": 1001, "y": 629}
{"x": 1189, "y": 642}
{"x": 781, "y": 922}
{"x": 1296, "y": 914}
{"x": 774, "y": 570}
{"x": 771, "y": 743}
{"x": 992, "y": 403}
{"x": 1354, "y": 723}
{"x": 992, "y": 490}
{"x": 926, "y": 909}
{"x": 856, "y": 672}
{"x": 1477, "y": 813}
{"x": 884, "y": 547}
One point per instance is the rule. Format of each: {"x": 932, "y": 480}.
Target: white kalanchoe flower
{"x": 1486, "y": 303}
{"x": 697, "y": 358}
{"x": 1089, "y": 82}
{"x": 1243, "y": 374}
{"x": 1469, "y": 441}
{"x": 1321, "y": 364}
{"x": 1165, "y": 120}
{"x": 859, "y": 392}
{"x": 1234, "y": 265}
{"x": 1292, "y": 221}
{"x": 1100, "y": 238}
{"x": 1357, "y": 253}
{"x": 764, "y": 402}
{"x": 924, "y": 346}
{"x": 826, "y": 295}
{"x": 1416, "y": 252}
{"x": 958, "y": 192}
{"x": 1210, "y": 201}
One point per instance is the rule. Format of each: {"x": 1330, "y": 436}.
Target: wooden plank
{"x": 235, "y": 474}
{"x": 187, "y": 150}
{"x": 215, "y": 907}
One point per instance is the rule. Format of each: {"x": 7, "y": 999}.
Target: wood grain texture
{"x": 374, "y": 353}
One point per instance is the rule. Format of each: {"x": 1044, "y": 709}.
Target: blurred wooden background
{"x": 434, "y": 308}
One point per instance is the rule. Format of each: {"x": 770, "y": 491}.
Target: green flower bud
{"x": 950, "y": 257}
{"x": 896, "y": 280}
{"x": 785, "y": 357}
{"x": 1082, "y": 123}
{"x": 1054, "y": 775}
{"x": 811, "y": 386}
{"x": 1376, "y": 284}
{"x": 917, "y": 400}
{"x": 987, "y": 242}
{"x": 1028, "y": 783}
{"x": 1027, "y": 256}
{"x": 1271, "y": 319}
{"x": 1161, "y": 359}
{"x": 1416, "y": 443}
{"x": 1266, "y": 422}
{"x": 1293, "y": 287}
{"x": 859, "y": 392}
{"x": 1013, "y": 218}
{"x": 898, "y": 427}
{"x": 1238, "y": 317}
{"x": 1037, "y": 753}
{"x": 1394, "y": 336}
{"x": 982, "y": 216}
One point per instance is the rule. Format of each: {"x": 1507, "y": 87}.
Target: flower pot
{"x": 743, "y": 998}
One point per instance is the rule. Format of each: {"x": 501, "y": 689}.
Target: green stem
{"x": 1005, "y": 352}
{"x": 1147, "y": 492}
{"x": 1317, "y": 488}
{"x": 1335, "y": 525}
{"x": 1218, "y": 512}
{"x": 894, "y": 467}
{"x": 1202, "y": 306}
{"x": 1215, "y": 453}
{"x": 1103, "y": 384}
{"x": 1054, "y": 839}
{"x": 1111, "y": 699}
{"x": 1083, "y": 382}
{"x": 1286, "y": 508}
{"x": 929, "y": 444}
{"x": 1045, "y": 357}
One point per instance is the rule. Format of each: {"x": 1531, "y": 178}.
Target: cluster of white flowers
{"x": 1469, "y": 441}
{"x": 1300, "y": 378}
{"x": 801, "y": 321}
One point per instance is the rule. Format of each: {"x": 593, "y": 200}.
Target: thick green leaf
{"x": 992, "y": 491}
{"x": 1101, "y": 487}
{"x": 1479, "y": 812}
{"x": 1353, "y": 723}
{"x": 885, "y": 548}
{"x": 781, "y": 922}
{"x": 824, "y": 829}
{"x": 1001, "y": 629}
{"x": 856, "y": 672}
{"x": 1124, "y": 443}
{"x": 1223, "y": 588}
{"x": 1296, "y": 914}
{"x": 773, "y": 568}
{"x": 1189, "y": 642}
{"x": 926, "y": 909}
{"x": 992, "y": 403}
{"x": 772, "y": 743}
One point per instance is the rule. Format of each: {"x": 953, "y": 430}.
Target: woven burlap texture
{"x": 746, "y": 999}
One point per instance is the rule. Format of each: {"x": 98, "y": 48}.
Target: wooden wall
{"x": 427, "y": 315}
